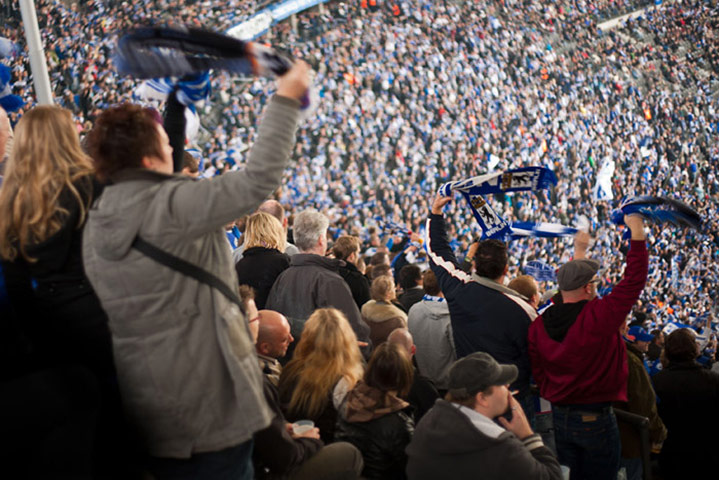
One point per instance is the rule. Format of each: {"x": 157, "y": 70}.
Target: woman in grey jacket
{"x": 185, "y": 361}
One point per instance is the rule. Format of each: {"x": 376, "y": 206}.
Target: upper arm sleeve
{"x": 619, "y": 302}
{"x": 442, "y": 259}
{"x": 537, "y": 464}
{"x": 207, "y": 204}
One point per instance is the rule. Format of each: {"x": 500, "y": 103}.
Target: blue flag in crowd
{"x": 541, "y": 271}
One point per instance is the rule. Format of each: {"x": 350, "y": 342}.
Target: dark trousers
{"x": 234, "y": 463}
{"x": 587, "y": 439}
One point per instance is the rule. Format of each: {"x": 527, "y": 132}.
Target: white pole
{"x": 41, "y": 79}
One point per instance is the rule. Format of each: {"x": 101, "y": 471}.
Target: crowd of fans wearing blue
{"x": 409, "y": 95}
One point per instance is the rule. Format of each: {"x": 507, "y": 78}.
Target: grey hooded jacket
{"x": 429, "y": 323}
{"x": 185, "y": 361}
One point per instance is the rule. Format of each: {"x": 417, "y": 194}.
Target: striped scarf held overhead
{"x": 516, "y": 180}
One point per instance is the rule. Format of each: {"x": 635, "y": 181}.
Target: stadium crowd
{"x": 411, "y": 95}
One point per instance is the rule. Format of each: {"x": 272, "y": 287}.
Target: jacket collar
{"x": 312, "y": 259}
{"x": 497, "y": 286}
{"x": 130, "y": 174}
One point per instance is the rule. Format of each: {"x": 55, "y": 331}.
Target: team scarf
{"x": 516, "y": 180}
{"x": 540, "y": 229}
{"x": 659, "y": 210}
{"x": 158, "y": 52}
{"x": 190, "y": 89}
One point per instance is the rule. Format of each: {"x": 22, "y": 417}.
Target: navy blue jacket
{"x": 487, "y": 318}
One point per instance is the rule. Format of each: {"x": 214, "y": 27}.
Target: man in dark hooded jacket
{"x": 579, "y": 360}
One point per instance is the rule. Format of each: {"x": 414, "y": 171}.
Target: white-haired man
{"x": 313, "y": 281}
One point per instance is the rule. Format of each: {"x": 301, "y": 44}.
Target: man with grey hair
{"x": 313, "y": 281}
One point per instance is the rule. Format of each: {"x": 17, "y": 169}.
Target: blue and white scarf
{"x": 659, "y": 210}
{"x": 517, "y": 180}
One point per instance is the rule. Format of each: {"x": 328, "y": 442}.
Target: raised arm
{"x": 206, "y": 204}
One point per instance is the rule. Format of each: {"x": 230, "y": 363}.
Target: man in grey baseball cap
{"x": 461, "y": 434}
{"x": 579, "y": 360}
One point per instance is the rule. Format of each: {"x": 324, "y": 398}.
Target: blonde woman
{"x": 327, "y": 363}
{"x": 44, "y": 200}
{"x": 380, "y": 313}
{"x": 262, "y": 260}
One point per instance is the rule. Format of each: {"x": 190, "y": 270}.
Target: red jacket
{"x": 584, "y": 360}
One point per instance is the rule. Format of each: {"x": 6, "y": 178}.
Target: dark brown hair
{"x": 409, "y": 276}
{"x": 491, "y": 258}
{"x": 390, "y": 368}
{"x": 680, "y": 346}
{"x": 121, "y": 137}
{"x": 430, "y": 283}
{"x": 345, "y": 246}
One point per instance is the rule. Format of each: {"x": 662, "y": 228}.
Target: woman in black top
{"x": 263, "y": 259}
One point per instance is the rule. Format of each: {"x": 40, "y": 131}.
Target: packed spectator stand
{"x": 429, "y": 92}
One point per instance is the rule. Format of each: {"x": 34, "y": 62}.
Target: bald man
{"x": 423, "y": 393}
{"x": 273, "y": 339}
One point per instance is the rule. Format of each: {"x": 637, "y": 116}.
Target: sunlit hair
{"x": 46, "y": 162}
{"x": 121, "y": 137}
{"x": 264, "y": 230}
{"x": 382, "y": 289}
{"x": 525, "y": 285}
{"x": 309, "y": 225}
{"x": 345, "y": 246}
{"x": 326, "y": 353}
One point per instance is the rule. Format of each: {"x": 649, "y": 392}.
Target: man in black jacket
{"x": 459, "y": 437}
{"x": 486, "y": 316}
{"x": 347, "y": 249}
{"x": 313, "y": 281}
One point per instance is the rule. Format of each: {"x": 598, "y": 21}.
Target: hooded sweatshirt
{"x": 576, "y": 351}
{"x": 446, "y": 444}
{"x": 431, "y": 328}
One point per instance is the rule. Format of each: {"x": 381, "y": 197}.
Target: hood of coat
{"x": 445, "y": 430}
{"x": 116, "y": 216}
{"x": 378, "y": 312}
{"x": 365, "y": 403}
{"x": 433, "y": 310}
{"x": 558, "y": 319}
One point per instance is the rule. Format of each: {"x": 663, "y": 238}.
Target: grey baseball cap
{"x": 576, "y": 273}
{"x": 478, "y": 371}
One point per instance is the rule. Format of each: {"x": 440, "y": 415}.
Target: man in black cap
{"x": 459, "y": 437}
{"x": 579, "y": 360}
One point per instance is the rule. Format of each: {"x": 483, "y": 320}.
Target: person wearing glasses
{"x": 579, "y": 360}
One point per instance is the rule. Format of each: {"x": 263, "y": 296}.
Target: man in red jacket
{"x": 579, "y": 360}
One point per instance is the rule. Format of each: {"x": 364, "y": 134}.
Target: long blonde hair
{"x": 326, "y": 353}
{"x": 46, "y": 160}
{"x": 264, "y": 230}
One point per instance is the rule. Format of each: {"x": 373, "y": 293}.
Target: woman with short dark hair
{"x": 375, "y": 419}
{"x": 688, "y": 395}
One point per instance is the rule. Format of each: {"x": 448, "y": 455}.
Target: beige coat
{"x": 382, "y": 318}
